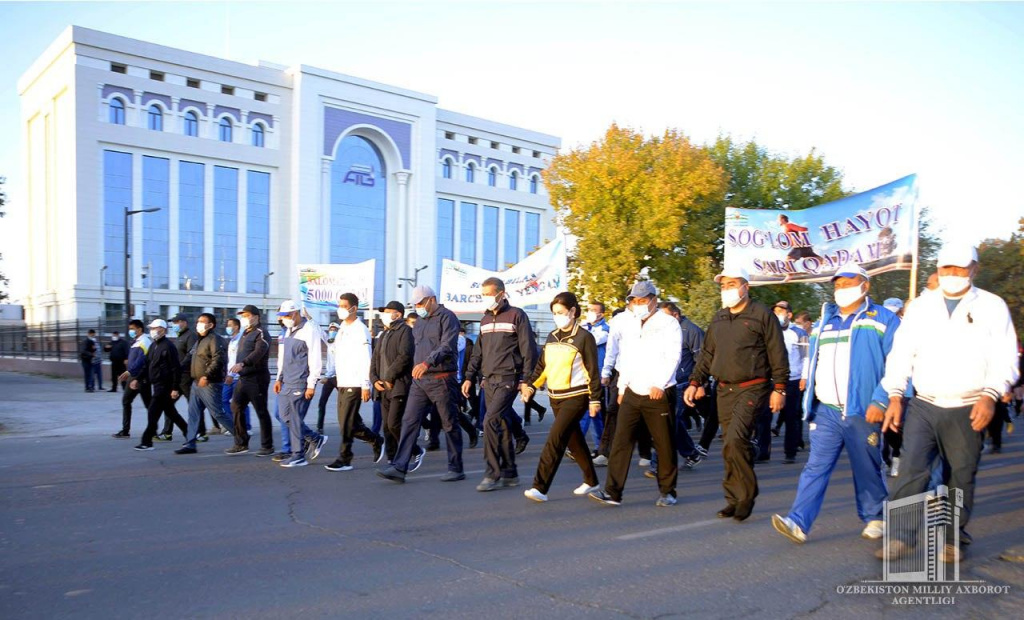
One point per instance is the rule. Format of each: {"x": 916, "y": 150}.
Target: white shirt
{"x": 832, "y": 373}
{"x": 329, "y": 368}
{"x": 233, "y": 352}
{"x": 611, "y": 351}
{"x": 797, "y": 351}
{"x": 352, "y": 355}
{"x": 648, "y": 353}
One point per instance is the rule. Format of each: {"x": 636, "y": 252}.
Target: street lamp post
{"x": 414, "y": 280}
{"x": 266, "y": 290}
{"x": 127, "y": 260}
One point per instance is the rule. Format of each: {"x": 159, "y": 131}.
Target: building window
{"x": 225, "y": 229}
{"x": 227, "y": 90}
{"x": 534, "y": 183}
{"x": 117, "y": 67}
{"x": 531, "y": 232}
{"x": 156, "y": 75}
{"x": 191, "y": 184}
{"x": 448, "y": 135}
{"x": 536, "y": 154}
{"x": 156, "y": 227}
{"x": 470, "y": 172}
{"x": 192, "y": 82}
{"x": 225, "y": 129}
{"x": 515, "y": 149}
{"x": 511, "y": 236}
{"x": 191, "y": 124}
{"x": 492, "y": 177}
{"x": 490, "y": 241}
{"x": 513, "y": 180}
{"x": 495, "y": 145}
{"x": 259, "y": 96}
{"x": 116, "y": 111}
{"x": 117, "y": 197}
{"x": 156, "y": 118}
{"x": 257, "y": 235}
{"x": 467, "y": 233}
{"x": 445, "y": 235}
{"x": 257, "y": 134}
{"x": 472, "y": 140}
{"x": 446, "y": 168}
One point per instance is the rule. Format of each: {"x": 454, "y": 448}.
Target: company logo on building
{"x": 359, "y": 174}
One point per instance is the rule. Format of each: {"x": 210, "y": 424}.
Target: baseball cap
{"x": 420, "y": 293}
{"x": 957, "y": 255}
{"x": 733, "y": 272}
{"x": 178, "y": 317}
{"x": 850, "y": 270}
{"x": 895, "y": 304}
{"x": 158, "y": 323}
{"x": 782, "y": 304}
{"x": 393, "y": 305}
{"x": 288, "y": 307}
{"x": 251, "y": 309}
{"x": 643, "y": 288}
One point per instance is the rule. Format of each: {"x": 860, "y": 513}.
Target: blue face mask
{"x": 422, "y": 312}
{"x": 331, "y": 336}
{"x": 230, "y": 330}
{"x": 132, "y": 333}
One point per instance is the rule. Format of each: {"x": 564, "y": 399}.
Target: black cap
{"x": 782, "y": 304}
{"x": 251, "y": 309}
{"x": 393, "y": 305}
{"x": 179, "y": 317}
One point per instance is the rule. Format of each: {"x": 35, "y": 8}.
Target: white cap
{"x": 850, "y": 270}
{"x": 287, "y": 307}
{"x": 158, "y": 323}
{"x": 733, "y": 272}
{"x": 957, "y": 255}
{"x": 420, "y": 293}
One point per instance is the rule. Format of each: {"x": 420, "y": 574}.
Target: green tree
{"x": 3, "y": 203}
{"x": 702, "y": 299}
{"x": 638, "y": 207}
{"x": 1001, "y": 271}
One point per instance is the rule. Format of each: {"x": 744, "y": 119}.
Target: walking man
{"x": 89, "y": 355}
{"x": 136, "y": 369}
{"x": 796, "y": 349}
{"x": 391, "y": 372}
{"x": 252, "y": 384}
{"x": 298, "y": 369}
{"x": 117, "y": 351}
{"x": 163, "y": 369}
{"x": 206, "y": 364}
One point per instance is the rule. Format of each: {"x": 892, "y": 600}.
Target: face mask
{"x": 132, "y": 333}
{"x": 462, "y": 342}
{"x": 113, "y": 338}
{"x": 731, "y": 297}
{"x": 344, "y": 313}
{"x": 288, "y": 322}
{"x": 387, "y": 319}
{"x": 562, "y": 320}
{"x": 490, "y": 302}
{"x": 245, "y": 322}
{"x": 591, "y": 317}
{"x": 421, "y": 312}
{"x": 782, "y": 320}
{"x": 331, "y": 336}
{"x": 953, "y": 285}
{"x": 202, "y": 328}
{"x": 229, "y": 330}
{"x": 639, "y": 312}
{"x": 155, "y": 334}
{"x": 848, "y": 296}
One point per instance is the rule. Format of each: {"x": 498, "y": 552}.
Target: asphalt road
{"x": 90, "y": 528}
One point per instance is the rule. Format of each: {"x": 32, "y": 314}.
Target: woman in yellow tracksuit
{"x": 569, "y": 366}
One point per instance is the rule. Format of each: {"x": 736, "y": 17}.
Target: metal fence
{"x": 59, "y": 340}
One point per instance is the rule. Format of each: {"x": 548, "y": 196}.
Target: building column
{"x": 241, "y": 133}
{"x": 138, "y": 116}
{"x": 135, "y": 223}
{"x": 211, "y": 123}
{"x": 175, "y": 117}
{"x": 243, "y": 228}
{"x": 104, "y": 111}
{"x": 209, "y": 222}
{"x": 173, "y": 222}
{"x": 325, "y": 209}
{"x": 404, "y": 221}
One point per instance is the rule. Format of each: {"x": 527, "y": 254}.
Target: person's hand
{"x": 893, "y": 414}
{"x": 379, "y": 385}
{"x": 1007, "y": 398}
{"x": 387, "y": 385}
{"x": 803, "y": 384}
{"x": 175, "y": 394}
{"x": 366, "y": 394}
{"x": 228, "y": 380}
{"x": 619, "y": 399}
{"x": 595, "y": 409}
{"x": 656, "y": 393}
{"x": 420, "y": 370}
{"x": 203, "y": 382}
{"x": 606, "y": 381}
{"x": 134, "y": 384}
{"x": 237, "y": 368}
{"x": 525, "y": 392}
{"x": 982, "y": 413}
{"x": 874, "y": 414}
{"x": 776, "y": 402}
{"x": 277, "y": 387}
{"x": 466, "y": 385}
{"x": 309, "y": 393}
{"x": 692, "y": 394}
{"x": 124, "y": 376}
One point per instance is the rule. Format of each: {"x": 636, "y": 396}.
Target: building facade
{"x": 253, "y": 170}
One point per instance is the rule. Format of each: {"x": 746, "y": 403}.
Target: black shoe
{"x": 433, "y": 447}
{"x": 143, "y": 447}
{"x": 415, "y": 462}
{"x": 236, "y": 450}
{"x": 338, "y": 465}
{"x": 185, "y": 450}
{"x": 280, "y": 457}
{"x": 378, "y": 449}
{"x": 789, "y": 460}
{"x": 164, "y": 437}
{"x": 728, "y": 511}
{"x": 775, "y": 431}
{"x": 603, "y": 498}
{"x": 265, "y": 452}
{"x": 392, "y": 474}
{"x": 202, "y": 438}
{"x": 112, "y": 390}
{"x": 521, "y": 443}
{"x": 763, "y": 459}
{"x": 121, "y": 435}
{"x": 742, "y": 512}
{"x": 474, "y": 439}
{"x": 540, "y": 414}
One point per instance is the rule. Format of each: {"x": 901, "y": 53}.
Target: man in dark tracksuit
{"x": 436, "y": 336}
{"x": 206, "y": 363}
{"x": 253, "y": 383}
{"x": 117, "y": 351}
{"x": 391, "y": 372}
{"x": 134, "y": 375}
{"x": 503, "y": 358}
{"x": 185, "y": 341}
{"x": 164, "y": 371}
{"x": 744, "y": 350}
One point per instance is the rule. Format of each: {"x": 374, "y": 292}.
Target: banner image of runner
{"x": 875, "y": 229}
{"x": 321, "y": 285}
{"x": 534, "y": 280}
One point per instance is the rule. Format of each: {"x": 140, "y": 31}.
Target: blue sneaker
{"x": 298, "y": 461}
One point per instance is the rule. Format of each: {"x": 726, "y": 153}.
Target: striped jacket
{"x": 568, "y": 364}
{"x": 505, "y": 348}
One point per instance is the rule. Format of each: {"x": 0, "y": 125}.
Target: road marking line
{"x": 667, "y": 530}
{"x": 414, "y": 477}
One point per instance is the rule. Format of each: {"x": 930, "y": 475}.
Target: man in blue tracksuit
{"x": 844, "y": 403}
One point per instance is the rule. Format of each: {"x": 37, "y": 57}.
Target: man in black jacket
{"x": 206, "y": 366}
{"x": 391, "y": 372}
{"x": 745, "y": 351}
{"x": 117, "y": 351}
{"x": 253, "y": 383}
{"x": 185, "y": 341}
{"x": 163, "y": 369}
{"x": 88, "y": 352}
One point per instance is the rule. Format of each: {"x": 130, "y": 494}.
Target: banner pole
{"x": 915, "y": 248}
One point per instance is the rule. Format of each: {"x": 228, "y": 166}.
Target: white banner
{"x": 534, "y": 280}
{"x": 321, "y": 285}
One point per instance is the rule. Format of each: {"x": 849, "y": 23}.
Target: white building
{"x": 254, "y": 170}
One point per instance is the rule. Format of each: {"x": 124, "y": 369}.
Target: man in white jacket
{"x": 958, "y": 348}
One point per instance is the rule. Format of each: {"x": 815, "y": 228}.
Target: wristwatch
{"x": 780, "y": 391}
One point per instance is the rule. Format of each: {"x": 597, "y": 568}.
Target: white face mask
{"x": 591, "y": 317}
{"x": 387, "y": 319}
{"x": 640, "y": 312}
{"x": 245, "y": 322}
{"x": 288, "y": 322}
{"x": 953, "y": 285}
{"x": 490, "y": 302}
{"x": 344, "y": 313}
{"x": 731, "y": 297}
{"x": 562, "y": 320}
{"x": 155, "y": 334}
{"x": 113, "y": 338}
{"x": 783, "y": 321}
{"x": 202, "y": 328}
{"x": 848, "y": 296}
{"x": 229, "y": 330}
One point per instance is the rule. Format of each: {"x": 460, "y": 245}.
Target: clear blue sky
{"x": 882, "y": 90}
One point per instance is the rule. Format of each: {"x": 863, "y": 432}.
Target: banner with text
{"x": 875, "y": 229}
{"x": 321, "y": 285}
{"x": 534, "y": 280}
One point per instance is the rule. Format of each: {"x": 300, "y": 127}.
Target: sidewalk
{"x": 44, "y": 406}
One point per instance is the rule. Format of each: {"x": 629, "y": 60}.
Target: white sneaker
{"x": 789, "y": 529}
{"x": 585, "y": 489}
{"x": 644, "y": 463}
{"x": 895, "y": 469}
{"x": 873, "y": 530}
{"x": 535, "y": 495}
{"x": 600, "y": 461}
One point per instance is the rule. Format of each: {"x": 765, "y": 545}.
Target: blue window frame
{"x": 467, "y": 233}
{"x": 445, "y": 235}
{"x": 492, "y": 177}
{"x": 534, "y": 183}
{"x": 513, "y": 180}
{"x": 225, "y": 229}
{"x": 116, "y": 112}
{"x": 191, "y": 246}
{"x": 156, "y": 227}
{"x": 470, "y": 173}
{"x": 531, "y": 232}
{"x": 191, "y": 124}
{"x": 511, "y": 237}
{"x": 257, "y": 135}
{"x": 156, "y": 118}
{"x": 490, "y": 241}
{"x": 225, "y": 130}
{"x": 117, "y": 196}
{"x": 446, "y": 168}
{"x": 257, "y": 230}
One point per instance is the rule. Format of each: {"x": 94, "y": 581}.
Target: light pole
{"x": 102, "y": 269}
{"x": 266, "y": 290}
{"x": 414, "y": 280}
{"x": 127, "y": 260}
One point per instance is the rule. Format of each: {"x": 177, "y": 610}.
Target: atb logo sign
{"x": 360, "y": 175}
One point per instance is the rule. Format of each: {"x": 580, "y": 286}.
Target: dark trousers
{"x": 565, "y": 433}
{"x": 442, "y": 392}
{"x": 184, "y": 393}
{"x": 791, "y": 415}
{"x": 392, "y": 408}
{"x": 126, "y": 404}
{"x": 995, "y": 427}
{"x": 328, "y": 388}
{"x": 532, "y": 405}
{"x": 378, "y": 416}
{"x": 117, "y": 368}
{"x": 893, "y": 444}
{"x": 684, "y": 443}
{"x": 635, "y": 412}
{"x": 252, "y": 391}
{"x": 499, "y": 434}
{"x": 611, "y": 415}
{"x": 928, "y": 432}
{"x": 351, "y": 423}
{"x": 161, "y": 403}
{"x": 87, "y": 369}
{"x": 763, "y": 433}
{"x": 737, "y": 411}
{"x": 709, "y": 405}
{"x": 97, "y": 372}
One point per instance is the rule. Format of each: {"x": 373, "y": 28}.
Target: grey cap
{"x": 643, "y": 288}
{"x": 420, "y": 293}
